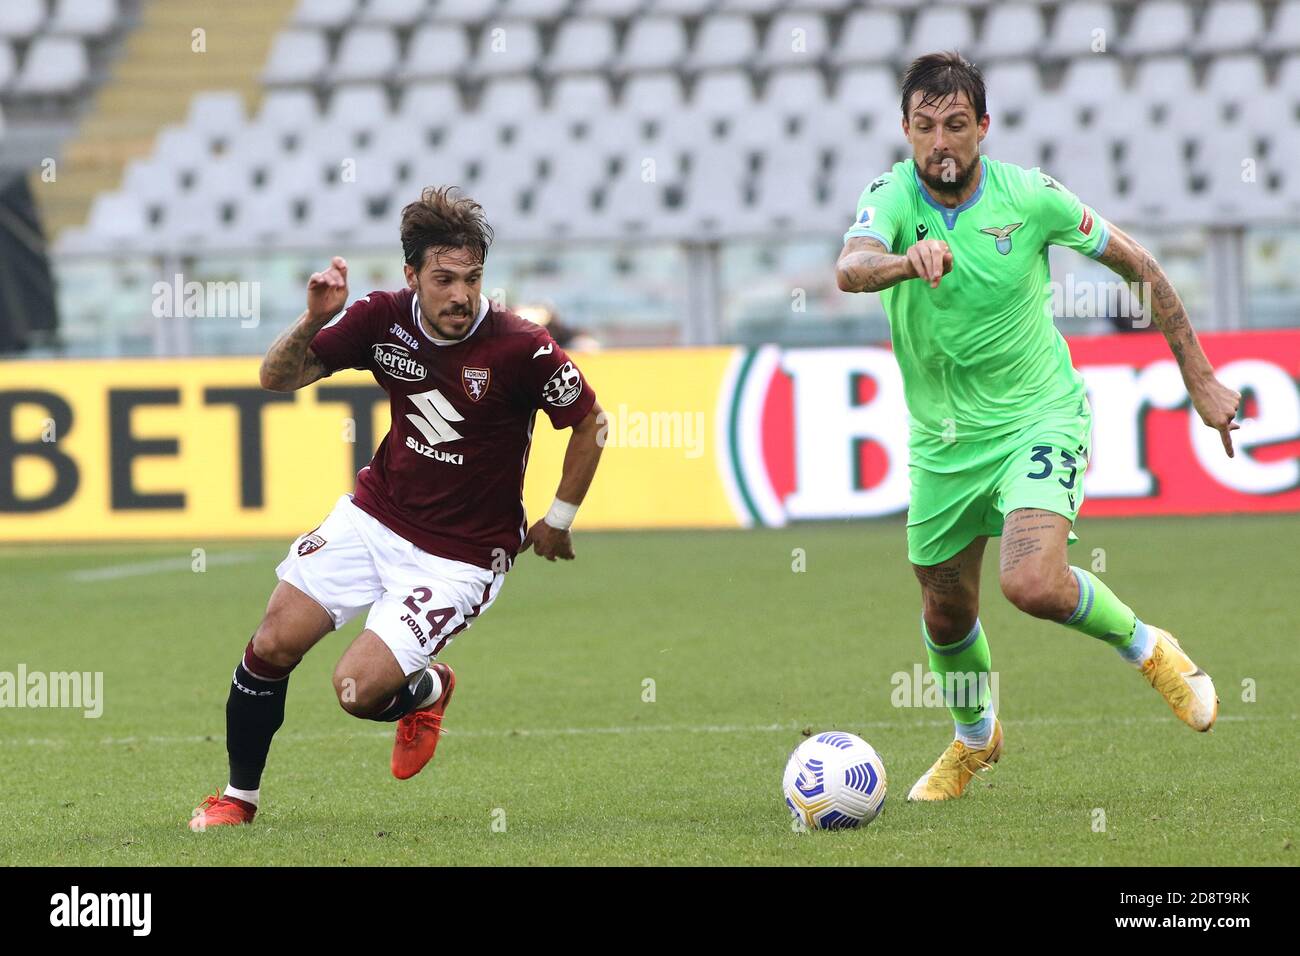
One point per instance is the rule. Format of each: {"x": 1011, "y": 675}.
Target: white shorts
{"x": 418, "y": 602}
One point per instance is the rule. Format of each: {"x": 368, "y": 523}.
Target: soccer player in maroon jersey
{"x": 437, "y": 516}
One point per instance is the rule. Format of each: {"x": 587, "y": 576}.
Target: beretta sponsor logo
{"x": 397, "y": 362}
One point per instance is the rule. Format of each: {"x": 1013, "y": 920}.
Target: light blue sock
{"x": 1140, "y": 646}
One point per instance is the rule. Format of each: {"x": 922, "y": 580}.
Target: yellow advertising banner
{"x": 169, "y": 448}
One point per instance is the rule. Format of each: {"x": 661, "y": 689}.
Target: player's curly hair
{"x": 938, "y": 76}
{"x": 443, "y": 218}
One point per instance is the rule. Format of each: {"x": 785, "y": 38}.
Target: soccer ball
{"x": 833, "y": 781}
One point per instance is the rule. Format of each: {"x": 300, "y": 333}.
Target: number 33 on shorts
{"x": 1050, "y": 477}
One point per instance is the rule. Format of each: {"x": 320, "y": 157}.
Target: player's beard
{"x": 440, "y": 324}
{"x": 953, "y": 185}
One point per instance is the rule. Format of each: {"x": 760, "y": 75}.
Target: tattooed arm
{"x": 290, "y": 363}
{"x": 1214, "y": 402}
{"x": 865, "y": 265}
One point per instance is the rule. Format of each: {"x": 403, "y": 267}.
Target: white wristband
{"x": 561, "y": 515}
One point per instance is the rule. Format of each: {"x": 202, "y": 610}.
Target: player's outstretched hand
{"x": 327, "y": 292}
{"x": 931, "y": 260}
{"x": 1217, "y": 405}
{"x": 547, "y": 542}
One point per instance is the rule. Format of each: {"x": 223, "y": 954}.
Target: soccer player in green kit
{"x": 1000, "y": 437}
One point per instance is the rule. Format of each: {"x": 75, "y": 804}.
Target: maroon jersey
{"x": 449, "y": 474}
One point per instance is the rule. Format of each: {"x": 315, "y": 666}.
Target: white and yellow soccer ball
{"x": 834, "y": 781}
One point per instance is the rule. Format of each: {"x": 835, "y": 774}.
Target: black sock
{"x": 254, "y": 712}
{"x": 404, "y": 700}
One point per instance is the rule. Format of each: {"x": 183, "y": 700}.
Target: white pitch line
{"x": 616, "y": 731}
{"x": 114, "y": 572}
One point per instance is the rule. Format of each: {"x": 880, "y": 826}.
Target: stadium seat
{"x": 1230, "y": 26}
{"x": 263, "y": 222}
{"x": 1087, "y": 169}
{"x": 1090, "y": 82}
{"x": 365, "y": 53}
{"x": 359, "y": 107}
{"x": 297, "y": 57}
{"x": 21, "y": 19}
{"x": 118, "y": 218}
{"x": 287, "y": 110}
{"x": 680, "y": 8}
{"x": 1010, "y": 84}
{"x": 89, "y": 19}
{"x": 1014, "y": 31}
{"x": 8, "y": 64}
{"x": 1156, "y": 171}
{"x": 582, "y": 46}
{"x": 868, "y": 36}
{"x": 759, "y": 129}
{"x": 325, "y": 14}
{"x": 941, "y": 28}
{"x": 508, "y": 47}
{"x": 653, "y": 94}
{"x": 653, "y": 43}
{"x": 1235, "y": 78}
{"x": 401, "y": 14}
{"x": 336, "y": 212}
{"x": 801, "y": 88}
{"x": 750, "y": 7}
{"x": 150, "y": 181}
{"x": 428, "y": 100}
{"x": 723, "y": 92}
{"x": 217, "y": 113}
{"x": 436, "y": 51}
{"x": 1159, "y": 26}
{"x": 463, "y": 11}
{"x": 797, "y": 38}
{"x": 181, "y": 148}
{"x": 608, "y": 9}
{"x": 871, "y": 90}
{"x": 581, "y": 96}
{"x": 223, "y": 180}
{"x": 54, "y": 66}
{"x": 531, "y": 9}
{"x": 723, "y": 41}
{"x": 1078, "y": 26}
{"x": 510, "y": 97}
{"x": 1283, "y": 35}
{"x": 1021, "y": 147}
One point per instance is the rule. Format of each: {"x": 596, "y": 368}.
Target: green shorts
{"x": 1039, "y": 466}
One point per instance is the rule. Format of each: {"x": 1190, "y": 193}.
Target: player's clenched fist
{"x": 931, "y": 260}
{"x": 327, "y": 292}
{"x": 549, "y": 543}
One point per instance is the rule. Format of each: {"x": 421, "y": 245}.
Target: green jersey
{"x": 980, "y": 355}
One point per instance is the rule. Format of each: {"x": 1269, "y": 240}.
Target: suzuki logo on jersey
{"x": 476, "y": 381}
{"x": 397, "y": 362}
{"x": 563, "y": 388}
{"x": 1003, "y": 236}
{"x": 405, "y": 336}
{"x": 434, "y": 423}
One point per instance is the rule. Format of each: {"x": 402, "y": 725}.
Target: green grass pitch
{"x": 552, "y": 756}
